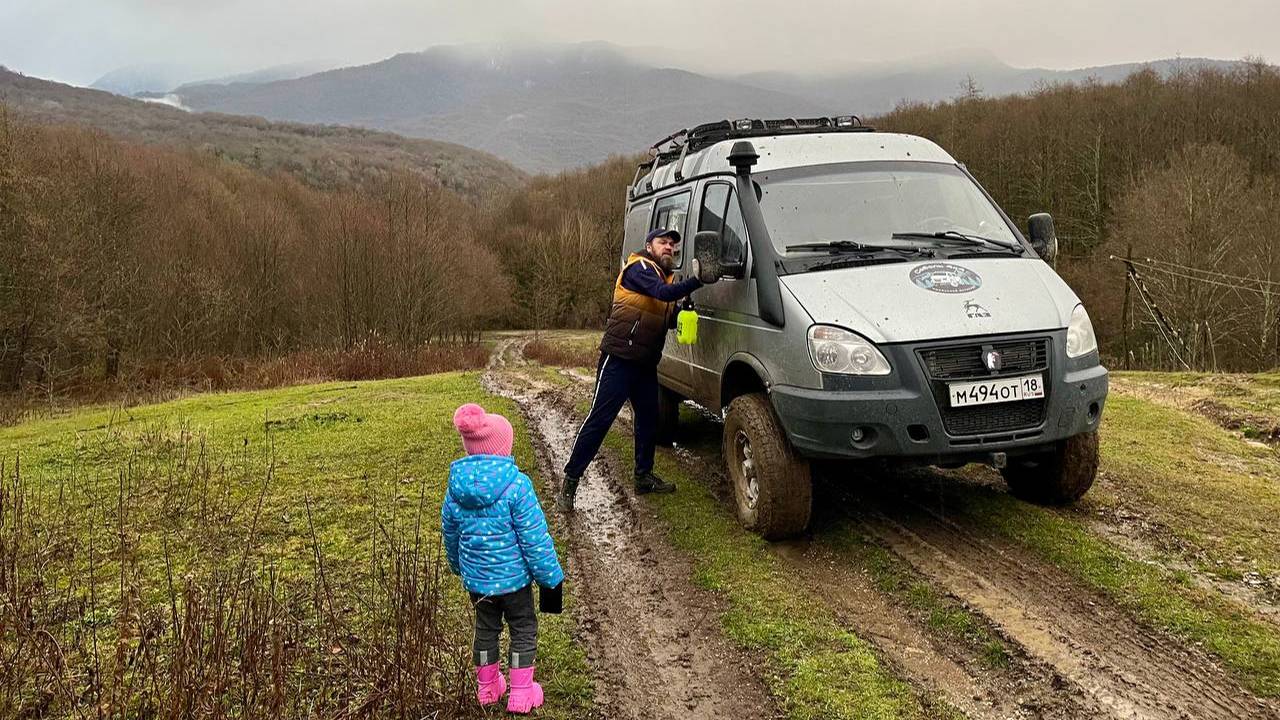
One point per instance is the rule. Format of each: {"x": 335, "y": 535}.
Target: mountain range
{"x": 546, "y": 108}
{"x": 321, "y": 156}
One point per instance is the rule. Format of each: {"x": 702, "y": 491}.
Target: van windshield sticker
{"x": 945, "y": 278}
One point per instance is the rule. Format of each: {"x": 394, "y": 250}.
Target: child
{"x": 496, "y": 538}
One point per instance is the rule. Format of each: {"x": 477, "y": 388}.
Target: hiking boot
{"x": 650, "y": 483}
{"x": 568, "y": 489}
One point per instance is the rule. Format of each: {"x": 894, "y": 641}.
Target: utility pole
{"x": 1124, "y": 328}
{"x": 1162, "y": 323}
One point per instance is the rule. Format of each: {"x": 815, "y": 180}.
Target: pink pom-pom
{"x": 469, "y": 418}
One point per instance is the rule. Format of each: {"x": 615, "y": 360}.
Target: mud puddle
{"x": 652, "y": 639}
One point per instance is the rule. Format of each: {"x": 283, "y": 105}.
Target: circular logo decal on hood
{"x": 945, "y": 278}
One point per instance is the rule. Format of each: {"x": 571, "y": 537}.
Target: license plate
{"x": 985, "y": 392}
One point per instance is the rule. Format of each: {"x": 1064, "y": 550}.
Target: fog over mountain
{"x": 77, "y": 41}
{"x": 547, "y": 107}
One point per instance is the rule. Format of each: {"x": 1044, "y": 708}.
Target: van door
{"x": 728, "y": 311}
{"x": 672, "y": 213}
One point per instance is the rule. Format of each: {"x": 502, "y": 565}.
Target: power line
{"x": 1261, "y": 281}
{"x": 1207, "y": 281}
{"x": 1259, "y": 291}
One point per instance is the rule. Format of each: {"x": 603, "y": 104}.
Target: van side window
{"x": 669, "y": 213}
{"x": 735, "y": 228}
{"x": 713, "y": 203}
{"x": 636, "y": 228}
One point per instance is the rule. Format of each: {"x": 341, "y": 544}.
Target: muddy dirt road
{"x": 1075, "y": 654}
{"x": 652, "y": 638}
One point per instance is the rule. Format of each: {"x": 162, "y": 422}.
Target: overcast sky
{"x": 77, "y": 41}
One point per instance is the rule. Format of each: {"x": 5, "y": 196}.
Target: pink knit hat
{"x": 483, "y": 433}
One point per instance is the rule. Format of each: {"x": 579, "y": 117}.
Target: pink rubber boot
{"x": 492, "y": 684}
{"x": 525, "y": 693}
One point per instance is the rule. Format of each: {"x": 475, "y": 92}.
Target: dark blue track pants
{"x": 618, "y": 381}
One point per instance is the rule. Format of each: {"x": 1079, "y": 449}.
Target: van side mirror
{"x": 707, "y": 248}
{"x": 719, "y": 256}
{"x": 1044, "y": 239}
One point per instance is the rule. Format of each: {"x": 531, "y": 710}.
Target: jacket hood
{"x": 905, "y": 302}
{"x": 478, "y": 481}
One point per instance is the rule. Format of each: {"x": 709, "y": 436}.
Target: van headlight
{"x": 1080, "y": 337}
{"x": 836, "y": 350}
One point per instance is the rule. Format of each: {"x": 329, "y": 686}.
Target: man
{"x": 644, "y": 298}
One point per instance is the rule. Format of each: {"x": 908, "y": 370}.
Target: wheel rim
{"x": 747, "y": 469}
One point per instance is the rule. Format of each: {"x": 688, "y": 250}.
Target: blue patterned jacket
{"x": 495, "y": 534}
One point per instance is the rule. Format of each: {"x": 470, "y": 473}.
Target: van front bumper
{"x": 903, "y": 417}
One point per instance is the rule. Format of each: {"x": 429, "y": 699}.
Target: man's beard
{"x": 668, "y": 262}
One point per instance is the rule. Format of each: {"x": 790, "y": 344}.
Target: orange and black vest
{"x": 637, "y": 325}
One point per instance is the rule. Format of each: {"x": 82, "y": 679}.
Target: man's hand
{"x": 708, "y": 272}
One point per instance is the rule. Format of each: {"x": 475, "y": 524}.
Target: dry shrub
{"x": 92, "y": 627}
{"x": 166, "y": 379}
{"x": 561, "y": 354}
{"x": 366, "y": 360}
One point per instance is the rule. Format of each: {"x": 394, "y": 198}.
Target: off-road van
{"x": 873, "y": 302}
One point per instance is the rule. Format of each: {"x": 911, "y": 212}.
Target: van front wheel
{"x": 772, "y": 487}
{"x": 1058, "y": 477}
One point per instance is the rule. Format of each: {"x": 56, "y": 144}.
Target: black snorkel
{"x": 742, "y": 157}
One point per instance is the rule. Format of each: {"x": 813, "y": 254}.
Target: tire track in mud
{"x": 1084, "y": 656}
{"x": 1027, "y": 690}
{"x": 1129, "y": 669}
{"x": 652, "y": 639}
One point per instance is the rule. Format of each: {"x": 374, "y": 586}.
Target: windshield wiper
{"x": 962, "y": 237}
{"x": 854, "y": 246}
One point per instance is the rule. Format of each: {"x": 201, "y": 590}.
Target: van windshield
{"x": 868, "y": 202}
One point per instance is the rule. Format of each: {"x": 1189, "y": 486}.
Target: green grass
{"x": 368, "y": 455}
{"x": 816, "y": 668}
{"x": 1209, "y": 487}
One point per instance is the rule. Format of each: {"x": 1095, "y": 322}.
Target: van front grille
{"x": 966, "y": 361}
{"x": 958, "y": 363}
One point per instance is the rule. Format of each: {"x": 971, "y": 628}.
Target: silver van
{"x": 873, "y": 302}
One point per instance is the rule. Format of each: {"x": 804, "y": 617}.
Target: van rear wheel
{"x": 1058, "y": 477}
{"x": 772, "y": 486}
{"x": 668, "y": 416}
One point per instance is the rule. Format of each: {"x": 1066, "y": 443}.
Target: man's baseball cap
{"x": 662, "y": 232}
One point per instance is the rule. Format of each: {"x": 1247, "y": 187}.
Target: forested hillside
{"x": 119, "y": 261}
{"x": 117, "y": 258}
{"x": 323, "y": 156}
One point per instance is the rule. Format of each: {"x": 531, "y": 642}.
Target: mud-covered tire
{"x": 668, "y": 416}
{"x": 1058, "y": 477}
{"x": 777, "y": 505}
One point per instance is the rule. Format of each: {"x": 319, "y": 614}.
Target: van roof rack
{"x": 676, "y": 146}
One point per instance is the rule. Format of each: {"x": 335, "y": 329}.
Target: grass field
{"x": 312, "y": 509}
{"x": 277, "y": 553}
